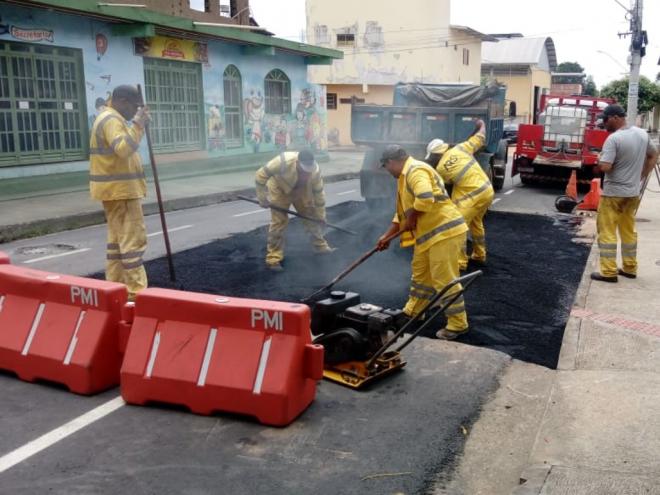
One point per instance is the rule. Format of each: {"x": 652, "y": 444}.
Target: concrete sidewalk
{"x": 600, "y": 432}
{"x": 40, "y": 205}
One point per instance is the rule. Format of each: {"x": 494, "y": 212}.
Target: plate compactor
{"x": 359, "y": 337}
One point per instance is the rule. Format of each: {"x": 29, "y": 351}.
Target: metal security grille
{"x": 42, "y": 104}
{"x": 277, "y": 89}
{"x": 233, "y": 105}
{"x": 174, "y": 96}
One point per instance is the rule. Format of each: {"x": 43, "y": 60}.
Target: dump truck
{"x": 420, "y": 113}
{"x": 566, "y": 137}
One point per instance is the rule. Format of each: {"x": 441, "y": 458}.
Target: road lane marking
{"x": 169, "y": 231}
{"x": 251, "y": 212}
{"x": 496, "y": 200}
{"x": 510, "y": 191}
{"x": 43, "y": 258}
{"x": 17, "y": 456}
{"x": 346, "y": 192}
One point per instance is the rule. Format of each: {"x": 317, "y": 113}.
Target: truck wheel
{"x": 498, "y": 183}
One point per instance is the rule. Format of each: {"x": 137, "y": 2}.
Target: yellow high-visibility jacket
{"x": 420, "y": 187}
{"x": 115, "y": 168}
{"x": 283, "y": 172}
{"x": 459, "y": 168}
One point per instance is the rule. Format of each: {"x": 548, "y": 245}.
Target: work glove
{"x": 142, "y": 117}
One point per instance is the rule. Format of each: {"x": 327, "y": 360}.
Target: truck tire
{"x": 499, "y": 164}
{"x": 498, "y": 183}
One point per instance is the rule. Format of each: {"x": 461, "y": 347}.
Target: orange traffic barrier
{"x": 592, "y": 198}
{"x": 212, "y": 353}
{"x": 571, "y": 187}
{"x": 60, "y": 328}
{"x": 4, "y": 258}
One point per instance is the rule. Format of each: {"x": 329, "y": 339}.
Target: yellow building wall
{"x": 339, "y": 120}
{"x": 520, "y": 88}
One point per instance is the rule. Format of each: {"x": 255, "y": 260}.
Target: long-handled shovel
{"x": 348, "y": 270}
{"x": 295, "y": 213}
{"x": 163, "y": 223}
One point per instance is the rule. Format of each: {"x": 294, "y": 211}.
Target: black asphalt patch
{"x": 519, "y": 306}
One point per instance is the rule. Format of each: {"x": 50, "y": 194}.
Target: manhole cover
{"x": 643, "y": 220}
{"x": 45, "y": 249}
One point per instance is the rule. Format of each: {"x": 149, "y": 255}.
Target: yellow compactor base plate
{"x": 355, "y": 374}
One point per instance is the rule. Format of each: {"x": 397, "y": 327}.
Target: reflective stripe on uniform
{"x": 116, "y": 177}
{"x": 603, "y": 245}
{"x": 134, "y": 264}
{"x": 101, "y": 151}
{"x": 420, "y": 295}
{"x": 125, "y": 256}
{"x": 474, "y": 193}
{"x": 607, "y": 254}
{"x": 454, "y": 310}
{"x": 425, "y": 195}
{"x": 425, "y": 288}
{"x": 463, "y": 171}
{"x": 99, "y": 130}
{"x": 449, "y": 225}
{"x": 129, "y": 140}
{"x": 112, "y": 246}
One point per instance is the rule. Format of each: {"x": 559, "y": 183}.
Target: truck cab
{"x": 420, "y": 113}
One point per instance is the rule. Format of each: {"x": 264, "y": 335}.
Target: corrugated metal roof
{"x": 516, "y": 51}
{"x": 473, "y": 32}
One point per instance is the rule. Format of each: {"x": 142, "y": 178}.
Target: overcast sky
{"x": 579, "y": 28}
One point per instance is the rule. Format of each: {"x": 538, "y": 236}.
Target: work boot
{"x": 627, "y": 274}
{"x": 446, "y": 334}
{"x": 602, "y": 278}
{"x": 324, "y": 249}
{"x": 274, "y": 267}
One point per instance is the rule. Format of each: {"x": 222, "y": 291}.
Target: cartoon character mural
{"x": 309, "y": 126}
{"x": 216, "y": 129}
{"x": 101, "y": 45}
{"x": 254, "y": 115}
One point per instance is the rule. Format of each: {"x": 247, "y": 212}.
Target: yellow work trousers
{"x": 127, "y": 242}
{"x": 279, "y": 222}
{"x": 431, "y": 271}
{"x": 617, "y": 214}
{"x": 473, "y": 211}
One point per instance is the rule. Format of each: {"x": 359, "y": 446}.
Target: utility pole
{"x": 638, "y": 41}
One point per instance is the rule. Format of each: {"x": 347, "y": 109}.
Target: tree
{"x": 649, "y": 93}
{"x": 569, "y": 67}
{"x": 589, "y": 87}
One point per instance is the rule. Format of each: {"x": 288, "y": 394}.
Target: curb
{"x": 36, "y": 228}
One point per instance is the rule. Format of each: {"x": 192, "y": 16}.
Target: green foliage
{"x": 589, "y": 87}
{"x": 649, "y": 93}
{"x": 569, "y": 67}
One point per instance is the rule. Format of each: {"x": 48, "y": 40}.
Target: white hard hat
{"x": 436, "y": 146}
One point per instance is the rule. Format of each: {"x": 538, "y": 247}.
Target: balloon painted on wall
{"x": 101, "y": 45}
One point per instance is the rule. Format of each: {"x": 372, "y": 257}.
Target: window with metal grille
{"x": 43, "y": 116}
{"x": 466, "y": 56}
{"x": 233, "y": 107}
{"x": 332, "y": 101}
{"x": 277, "y": 89}
{"x": 174, "y": 95}
{"x": 346, "y": 39}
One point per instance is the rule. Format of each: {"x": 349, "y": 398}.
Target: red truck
{"x": 566, "y": 137}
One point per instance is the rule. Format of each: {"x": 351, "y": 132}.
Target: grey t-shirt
{"x": 626, "y": 150}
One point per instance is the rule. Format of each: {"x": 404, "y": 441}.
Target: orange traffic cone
{"x": 591, "y": 200}
{"x": 571, "y": 188}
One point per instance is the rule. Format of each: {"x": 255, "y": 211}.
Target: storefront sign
{"x": 25, "y": 34}
{"x": 172, "y": 48}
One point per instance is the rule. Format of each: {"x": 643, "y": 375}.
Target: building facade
{"x": 384, "y": 46}
{"x": 213, "y": 91}
{"x": 525, "y": 66}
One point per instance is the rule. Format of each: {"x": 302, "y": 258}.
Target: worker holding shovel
{"x": 434, "y": 226}
{"x": 292, "y": 178}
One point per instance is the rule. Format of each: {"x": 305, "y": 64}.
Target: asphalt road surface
{"x": 400, "y": 436}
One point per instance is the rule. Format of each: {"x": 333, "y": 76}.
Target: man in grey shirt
{"x": 628, "y": 156}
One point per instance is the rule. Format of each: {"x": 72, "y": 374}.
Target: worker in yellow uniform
{"x": 292, "y": 178}
{"x": 433, "y": 225}
{"x": 116, "y": 178}
{"x": 471, "y": 191}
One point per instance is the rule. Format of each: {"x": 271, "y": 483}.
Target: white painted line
{"x": 43, "y": 258}
{"x": 74, "y": 340}
{"x": 261, "y": 371}
{"x": 33, "y": 329}
{"x": 496, "y": 200}
{"x": 169, "y": 231}
{"x": 251, "y": 212}
{"x": 510, "y": 191}
{"x": 207, "y": 358}
{"x": 346, "y": 192}
{"x": 52, "y": 437}
{"x": 152, "y": 357}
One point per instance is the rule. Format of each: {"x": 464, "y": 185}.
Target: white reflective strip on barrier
{"x": 33, "y": 330}
{"x": 74, "y": 340}
{"x": 201, "y": 381}
{"x": 2, "y": 300}
{"x": 152, "y": 356}
{"x": 263, "y": 361}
